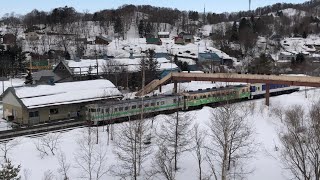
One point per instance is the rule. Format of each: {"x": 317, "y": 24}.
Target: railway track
{"x": 40, "y": 130}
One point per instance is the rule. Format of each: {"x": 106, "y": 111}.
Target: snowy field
{"x": 266, "y": 163}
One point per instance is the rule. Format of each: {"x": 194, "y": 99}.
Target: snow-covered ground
{"x": 266, "y": 163}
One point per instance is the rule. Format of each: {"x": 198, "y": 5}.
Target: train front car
{"x": 258, "y": 90}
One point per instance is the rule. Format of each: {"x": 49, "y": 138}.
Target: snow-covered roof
{"x": 286, "y": 53}
{"x": 166, "y": 66}
{"x": 82, "y": 66}
{"x": 163, "y": 33}
{"x": 66, "y": 93}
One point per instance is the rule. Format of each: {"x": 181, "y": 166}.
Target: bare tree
{"x": 91, "y": 157}
{"x": 230, "y": 141}
{"x": 199, "y": 144}
{"x": 7, "y": 146}
{"x": 163, "y": 164}
{"x": 300, "y": 142}
{"x": 131, "y": 148}
{"x": 48, "y": 175}
{"x": 26, "y": 174}
{"x": 64, "y": 166}
{"x": 48, "y": 144}
{"x": 175, "y": 133}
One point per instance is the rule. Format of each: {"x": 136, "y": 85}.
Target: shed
{"x": 30, "y": 105}
{"x": 156, "y": 41}
{"x": 163, "y": 34}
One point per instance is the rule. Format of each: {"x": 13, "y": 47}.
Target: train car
{"x": 216, "y": 95}
{"x": 126, "y": 108}
{"x": 258, "y": 90}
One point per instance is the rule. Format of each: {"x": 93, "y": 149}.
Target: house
{"x": 31, "y": 36}
{"x": 166, "y": 68}
{"x": 184, "y": 38}
{"x": 163, "y": 34}
{"x": 156, "y": 41}
{"x": 60, "y": 73}
{"x": 29, "y": 105}
{"x": 209, "y": 56}
{"x": 9, "y": 39}
{"x": 286, "y": 56}
{"x": 103, "y": 40}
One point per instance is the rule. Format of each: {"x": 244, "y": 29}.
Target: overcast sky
{"x": 218, "y": 6}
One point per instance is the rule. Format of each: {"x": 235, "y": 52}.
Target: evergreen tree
{"x": 304, "y": 35}
{"x": 175, "y": 59}
{"x": 67, "y": 55}
{"x": 9, "y": 172}
{"x": 148, "y": 29}
{"x": 29, "y": 78}
{"x": 118, "y": 28}
{"x": 234, "y": 32}
{"x": 150, "y": 66}
{"x": 300, "y": 58}
{"x": 141, "y": 28}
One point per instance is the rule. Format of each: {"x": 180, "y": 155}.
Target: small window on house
{"x": 162, "y": 102}
{"x": 194, "y": 97}
{"x": 126, "y": 108}
{"x": 174, "y": 100}
{"x": 140, "y": 106}
{"x": 134, "y": 107}
{"x": 54, "y": 111}
{"x": 153, "y": 104}
{"x": 120, "y": 108}
{"x": 115, "y": 110}
{"x": 158, "y": 103}
{"x": 146, "y": 105}
{"x": 92, "y": 110}
{"x": 107, "y": 110}
{"x": 34, "y": 114}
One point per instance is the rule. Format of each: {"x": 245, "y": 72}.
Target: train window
{"x": 134, "y": 107}
{"x": 120, "y": 108}
{"x": 153, "y": 104}
{"x": 162, "y": 102}
{"x": 126, "y": 108}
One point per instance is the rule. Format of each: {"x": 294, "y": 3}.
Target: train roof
{"x": 215, "y": 89}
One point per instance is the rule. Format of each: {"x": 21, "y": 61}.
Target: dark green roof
{"x": 153, "y": 40}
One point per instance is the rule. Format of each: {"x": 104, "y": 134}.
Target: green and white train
{"x": 112, "y": 111}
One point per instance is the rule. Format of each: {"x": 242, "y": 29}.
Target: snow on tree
{"x": 9, "y": 171}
